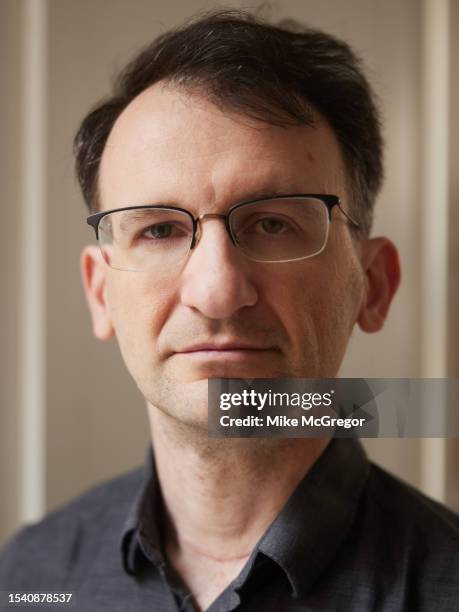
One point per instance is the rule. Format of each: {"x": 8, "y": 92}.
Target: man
{"x": 231, "y": 179}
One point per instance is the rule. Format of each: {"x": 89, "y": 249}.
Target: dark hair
{"x": 274, "y": 73}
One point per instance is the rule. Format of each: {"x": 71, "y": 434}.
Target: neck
{"x": 220, "y": 495}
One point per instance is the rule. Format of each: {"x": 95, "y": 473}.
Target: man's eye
{"x": 161, "y": 231}
{"x": 272, "y": 225}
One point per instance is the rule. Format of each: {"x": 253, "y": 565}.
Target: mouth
{"x": 228, "y": 347}
{"x": 224, "y": 353}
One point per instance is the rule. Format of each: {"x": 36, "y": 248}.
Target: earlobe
{"x": 94, "y": 273}
{"x": 381, "y": 267}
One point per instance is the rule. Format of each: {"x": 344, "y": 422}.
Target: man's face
{"x": 251, "y": 319}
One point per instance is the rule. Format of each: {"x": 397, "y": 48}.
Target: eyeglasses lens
{"x": 149, "y": 238}
{"x": 282, "y": 229}
{"x": 276, "y": 230}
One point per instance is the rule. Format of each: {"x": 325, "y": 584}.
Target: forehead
{"x": 173, "y": 146}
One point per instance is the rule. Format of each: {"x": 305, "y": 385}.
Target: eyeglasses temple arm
{"x": 348, "y": 217}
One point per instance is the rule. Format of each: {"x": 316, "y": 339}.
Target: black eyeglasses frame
{"x": 330, "y": 201}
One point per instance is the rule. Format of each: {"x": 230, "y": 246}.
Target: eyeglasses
{"x": 278, "y": 229}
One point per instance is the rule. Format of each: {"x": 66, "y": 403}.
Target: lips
{"x": 223, "y": 347}
{"x": 225, "y": 358}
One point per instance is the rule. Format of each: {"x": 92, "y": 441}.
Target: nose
{"x": 216, "y": 279}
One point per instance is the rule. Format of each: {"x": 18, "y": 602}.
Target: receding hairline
{"x": 264, "y": 70}
{"x": 196, "y": 93}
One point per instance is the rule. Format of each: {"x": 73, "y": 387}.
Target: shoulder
{"x": 50, "y": 550}
{"x": 406, "y": 507}
{"x": 402, "y": 548}
{"x": 412, "y": 536}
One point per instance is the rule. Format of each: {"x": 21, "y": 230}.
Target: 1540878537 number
{"x": 38, "y": 598}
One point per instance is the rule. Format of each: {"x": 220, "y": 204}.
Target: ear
{"x": 381, "y": 266}
{"x": 94, "y": 273}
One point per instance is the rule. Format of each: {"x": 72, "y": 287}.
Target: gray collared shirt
{"x": 351, "y": 537}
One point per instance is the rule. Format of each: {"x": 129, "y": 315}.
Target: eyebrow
{"x": 132, "y": 216}
{"x": 269, "y": 192}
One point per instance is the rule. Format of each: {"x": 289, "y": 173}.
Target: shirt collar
{"x": 140, "y": 538}
{"x": 303, "y": 538}
{"x": 316, "y": 519}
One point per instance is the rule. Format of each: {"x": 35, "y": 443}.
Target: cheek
{"x": 339, "y": 303}
{"x": 138, "y": 308}
{"x": 297, "y": 302}
{"x": 318, "y": 301}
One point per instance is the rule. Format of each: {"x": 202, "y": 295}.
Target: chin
{"x": 184, "y": 402}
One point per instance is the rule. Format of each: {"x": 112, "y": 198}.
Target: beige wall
{"x": 9, "y": 374}
{"x": 452, "y": 475}
{"x": 95, "y": 421}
